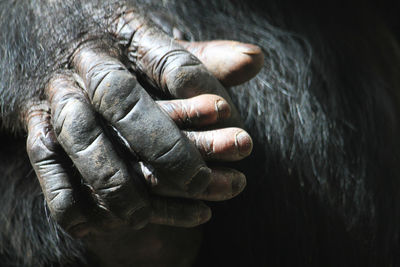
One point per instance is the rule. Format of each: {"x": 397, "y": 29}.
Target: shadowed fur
{"x": 323, "y": 182}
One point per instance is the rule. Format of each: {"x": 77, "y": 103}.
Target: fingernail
{"x": 244, "y": 143}
{"x": 199, "y": 182}
{"x": 238, "y": 183}
{"x": 248, "y": 49}
{"x": 223, "y": 109}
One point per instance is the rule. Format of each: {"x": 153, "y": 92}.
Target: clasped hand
{"x": 107, "y": 154}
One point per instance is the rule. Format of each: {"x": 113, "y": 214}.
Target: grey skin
{"x": 96, "y": 115}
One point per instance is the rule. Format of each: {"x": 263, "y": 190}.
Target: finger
{"x": 102, "y": 169}
{"x": 225, "y": 184}
{"x": 49, "y": 164}
{"x": 228, "y": 144}
{"x": 144, "y": 127}
{"x": 196, "y": 112}
{"x": 178, "y": 212}
{"x": 165, "y": 64}
{"x": 231, "y": 62}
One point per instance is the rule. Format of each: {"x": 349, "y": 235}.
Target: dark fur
{"x": 323, "y": 182}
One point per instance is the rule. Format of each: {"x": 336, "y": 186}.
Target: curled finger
{"x": 166, "y": 65}
{"x": 49, "y": 162}
{"x": 225, "y": 184}
{"x": 114, "y": 188}
{"x": 196, "y": 112}
{"x": 179, "y": 212}
{"x": 228, "y": 144}
{"x": 141, "y": 124}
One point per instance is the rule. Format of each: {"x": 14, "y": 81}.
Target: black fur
{"x": 323, "y": 182}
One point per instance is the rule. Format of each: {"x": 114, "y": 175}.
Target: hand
{"x": 97, "y": 104}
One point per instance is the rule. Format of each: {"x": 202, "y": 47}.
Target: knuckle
{"x": 175, "y": 148}
{"x": 186, "y": 112}
{"x": 181, "y": 162}
{"x": 117, "y": 194}
{"x": 116, "y": 95}
{"x": 126, "y": 26}
{"x": 33, "y": 144}
{"x": 96, "y": 60}
{"x": 60, "y": 201}
{"x": 179, "y": 111}
{"x": 172, "y": 68}
{"x": 41, "y": 145}
{"x": 36, "y": 150}
{"x": 178, "y": 60}
{"x": 172, "y": 109}
{"x": 198, "y": 182}
{"x": 191, "y": 113}
{"x": 74, "y": 122}
{"x": 63, "y": 208}
{"x": 67, "y": 104}
{"x": 111, "y": 184}
{"x": 195, "y": 77}
{"x": 60, "y": 114}
{"x": 206, "y": 143}
{"x": 89, "y": 145}
{"x": 102, "y": 76}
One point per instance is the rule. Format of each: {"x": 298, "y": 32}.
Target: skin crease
{"x": 99, "y": 93}
{"x": 65, "y": 122}
{"x": 68, "y": 123}
{"x": 322, "y": 180}
{"x": 163, "y": 244}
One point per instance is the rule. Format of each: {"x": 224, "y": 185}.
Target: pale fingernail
{"x": 223, "y": 109}
{"x": 248, "y": 49}
{"x": 244, "y": 143}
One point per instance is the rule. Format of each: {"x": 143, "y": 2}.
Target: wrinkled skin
{"x": 98, "y": 98}
{"x": 322, "y": 180}
{"x": 110, "y": 158}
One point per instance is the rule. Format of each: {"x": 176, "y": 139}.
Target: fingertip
{"x": 238, "y": 183}
{"x": 232, "y": 62}
{"x": 248, "y": 49}
{"x": 225, "y": 184}
{"x": 244, "y": 64}
{"x": 205, "y": 214}
{"x": 223, "y": 109}
{"x": 244, "y": 143}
